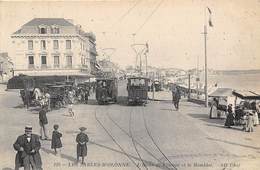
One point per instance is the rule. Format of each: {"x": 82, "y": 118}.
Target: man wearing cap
{"x": 27, "y": 147}
{"x": 82, "y": 140}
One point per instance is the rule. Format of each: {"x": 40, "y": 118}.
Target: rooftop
{"x": 48, "y": 22}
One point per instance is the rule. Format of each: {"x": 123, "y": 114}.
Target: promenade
{"x": 188, "y": 138}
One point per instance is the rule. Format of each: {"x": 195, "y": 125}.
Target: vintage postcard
{"x": 130, "y": 85}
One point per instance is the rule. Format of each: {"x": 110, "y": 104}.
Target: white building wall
{"x": 20, "y": 53}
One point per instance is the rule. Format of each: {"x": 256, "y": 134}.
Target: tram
{"x": 106, "y": 90}
{"x": 137, "y": 88}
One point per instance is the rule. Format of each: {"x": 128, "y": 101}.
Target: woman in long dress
{"x": 213, "y": 110}
{"x": 230, "y": 117}
{"x": 255, "y": 119}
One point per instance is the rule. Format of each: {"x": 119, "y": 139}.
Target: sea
{"x": 236, "y": 81}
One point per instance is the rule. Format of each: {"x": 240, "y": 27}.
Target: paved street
{"x": 134, "y": 137}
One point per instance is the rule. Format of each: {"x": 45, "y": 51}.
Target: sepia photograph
{"x": 129, "y": 85}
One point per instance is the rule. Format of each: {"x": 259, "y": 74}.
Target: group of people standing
{"x": 28, "y": 145}
{"x": 245, "y": 115}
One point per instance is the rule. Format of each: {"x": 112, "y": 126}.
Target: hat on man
{"x": 82, "y": 129}
{"x": 28, "y": 128}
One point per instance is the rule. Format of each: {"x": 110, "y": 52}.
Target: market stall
{"x": 220, "y": 99}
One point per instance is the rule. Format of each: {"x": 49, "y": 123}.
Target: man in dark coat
{"x": 43, "y": 121}
{"x": 176, "y": 96}
{"x": 27, "y": 147}
{"x": 82, "y": 140}
{"x": 86, "y": 95}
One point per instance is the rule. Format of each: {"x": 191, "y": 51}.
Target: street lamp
{"x": 205, "y": 53}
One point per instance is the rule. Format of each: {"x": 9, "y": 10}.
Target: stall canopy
{"x": 221, "y": 92}
{"x": 247, "y": 95}
{"x": 19, "y": 82}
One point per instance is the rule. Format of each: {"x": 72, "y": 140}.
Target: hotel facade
{"x": 53, "y": 47}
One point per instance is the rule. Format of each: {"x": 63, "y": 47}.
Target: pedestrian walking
{"x": 176, "y": 96}
{"x": 43, "y": 121}
{"x": 82, "y": 139}
{"x": 230, "y": 117}
{"x": 56, "y": 140}
{"x": 256, "y": 119}
{"x": 70, "y": 110}
{"x": 27, "y": 147}
{"x": 249, "y": 122}
{"x": 86, "y": 95}
{"x": 213, "y": 109}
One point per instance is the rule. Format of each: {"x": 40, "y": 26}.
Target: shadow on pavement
{"x": 222, "y": 126}
{"x": 19, "y": 106}
{"x": 7, "y": 169}
{"x": 190, "y": 104}
{"x": 234, "y": 143}
{"x": 205, "y": 118}
{"x": 64, "y": 156}
{"x": 133, "y": 157}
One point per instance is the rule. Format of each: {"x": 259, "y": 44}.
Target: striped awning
{"x": 247, "y": 95}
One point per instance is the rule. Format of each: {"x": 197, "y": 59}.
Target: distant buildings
{"x": 108, "y": 68}
{"x": 6, "y": 67}
{"x": 53, "y": 46}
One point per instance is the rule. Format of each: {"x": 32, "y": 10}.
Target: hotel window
{"x": 43, "y": 44}
{"x": 68, "y": 61}
{"x": 31, "y": 61}
{"x": 55, "y": 30}
{"x": 56, "y": 61}
{"x": 55, "y": 44}
{"x": 68, "y": 44}
{"x": 30, "y": 44}
{"x": 43, "y": 61}
{"x": 43, "y": 30}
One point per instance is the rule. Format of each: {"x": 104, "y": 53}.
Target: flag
{"x": 147, "y": 47}
{"x": 210, "y": 21}
{"x": 209, "y": 10}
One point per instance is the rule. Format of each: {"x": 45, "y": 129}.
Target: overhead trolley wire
{"x": 127, "y": 12}
{"x": 147, "y": 19}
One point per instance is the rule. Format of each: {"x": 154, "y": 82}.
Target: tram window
{"x": 141, "y": 82}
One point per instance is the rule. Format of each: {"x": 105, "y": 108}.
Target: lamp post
{"x": 205, "y": 52}
{"x": 206, "y": 65}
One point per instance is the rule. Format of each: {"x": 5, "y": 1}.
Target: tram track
{"x": 130, "y": 135}
{"x": 114, "y": 140}
{"x": 133, "y": 140}
{"x": 152, "y": 139}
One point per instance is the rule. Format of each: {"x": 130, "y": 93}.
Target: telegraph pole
{"x": 206, "y": 62}
{"x": 206, "y": 66}
{"x": 147, "y": 50}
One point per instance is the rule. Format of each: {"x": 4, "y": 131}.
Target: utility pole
{"x": 206, "y": 65}
{"x": 147, "y": 51}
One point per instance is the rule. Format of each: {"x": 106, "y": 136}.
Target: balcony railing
{"x": 44, "y": 66}
{"x": 31, "y": 66}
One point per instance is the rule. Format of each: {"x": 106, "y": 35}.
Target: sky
{"x": 172, "y": 28}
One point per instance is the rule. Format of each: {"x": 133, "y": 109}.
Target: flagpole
{"x": 206, "y": 66}
{"x": 206, "y": 62}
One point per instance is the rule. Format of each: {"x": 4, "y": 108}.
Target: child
{"x": 55, "y": 141}
{"x": 82, "y": 140}
{"x": 249, "y": 123}
{"x": 70, "y": 110}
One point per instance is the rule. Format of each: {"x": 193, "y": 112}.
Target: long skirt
{"x": 230, "y": 120}
{"x": 81, "y": 150}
